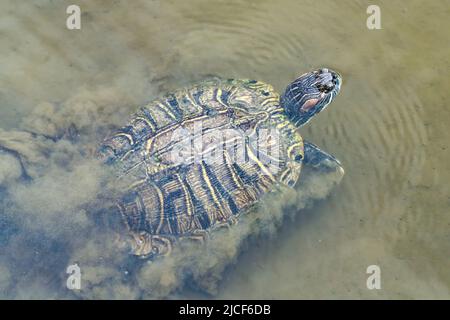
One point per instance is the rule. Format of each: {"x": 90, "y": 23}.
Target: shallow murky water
{"x": 389, "y": 126}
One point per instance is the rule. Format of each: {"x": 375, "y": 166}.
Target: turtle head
{"x": 309, "y": 94}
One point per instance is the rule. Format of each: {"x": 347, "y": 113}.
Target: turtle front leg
{"x": 320, "y": 160}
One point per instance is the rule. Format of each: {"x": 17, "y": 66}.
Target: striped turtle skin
{"x": 196, "y": 159}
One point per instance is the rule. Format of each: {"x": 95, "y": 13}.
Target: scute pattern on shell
{"x": 170, "y": 200}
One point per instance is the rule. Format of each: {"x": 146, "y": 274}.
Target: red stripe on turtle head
{"x": 309, "y": 104}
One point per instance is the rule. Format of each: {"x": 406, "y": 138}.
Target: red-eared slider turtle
{"x": 199, "y": 157}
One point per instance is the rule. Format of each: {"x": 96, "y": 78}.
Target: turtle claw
{"x": 320, "y": 160}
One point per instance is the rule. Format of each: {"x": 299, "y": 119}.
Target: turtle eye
{"x": 327, "y": 87}
{"x": 335, "y": 80}
{"x": 298, "y": 157}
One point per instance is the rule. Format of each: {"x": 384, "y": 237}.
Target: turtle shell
{"x": 197, "y": 158}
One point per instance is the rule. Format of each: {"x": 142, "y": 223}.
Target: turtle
{"x": 196, "y": 159}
